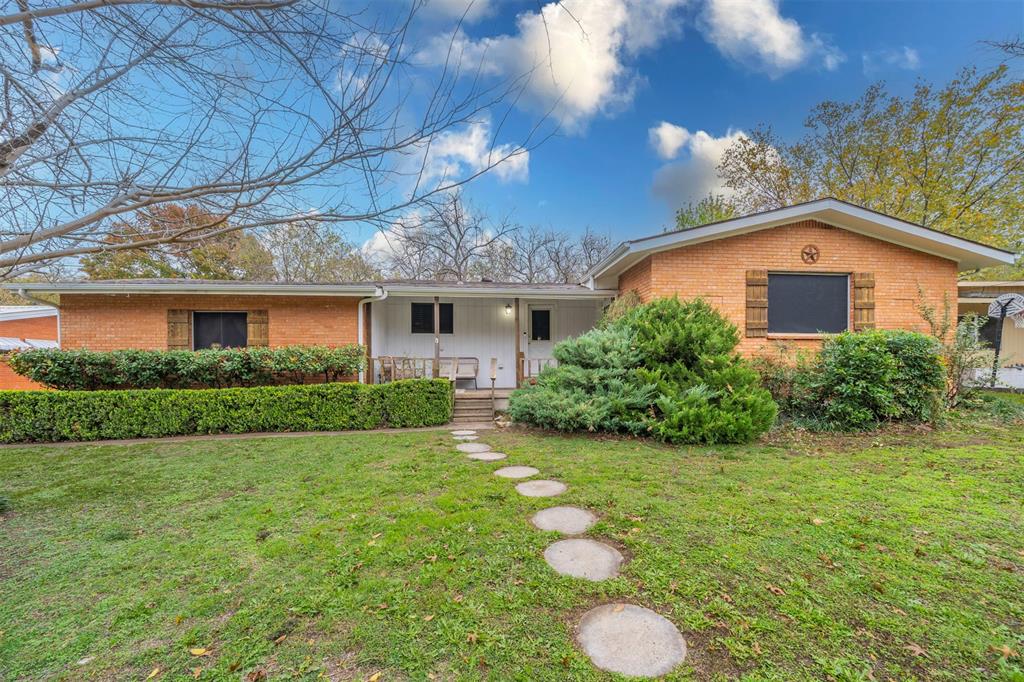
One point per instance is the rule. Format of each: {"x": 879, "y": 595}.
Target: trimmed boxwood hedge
{"x": 49, "y": 416}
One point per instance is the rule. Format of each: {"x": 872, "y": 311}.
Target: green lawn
{"x": 804, "y": 558}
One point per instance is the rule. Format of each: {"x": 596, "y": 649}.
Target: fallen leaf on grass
{"x": 472, "y": 637}
{"x": 1004, "y": 651}
{"x": 458, "y": 598}
{"x": 817, "y": 521}
{"x": 196, "y": 673}
{"x": 257, "y": 675}
{"x": 373, "y": 678}
{"x": 756, "y": 648}
{"x": 778, "y": 591}
{"x": 915, "y": 649}
{"x": 726, "y": 598}
{"x": 429, "y": 618}
{"x": 280, "y": 639}
{"x": 156, "y": 671}
{"x": 199, "y": 652}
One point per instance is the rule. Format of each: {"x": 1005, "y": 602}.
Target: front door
{"x": 540, "y": 328}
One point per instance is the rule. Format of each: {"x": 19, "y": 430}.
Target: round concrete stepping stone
{"x": 541, "y": 488}
{"x": 472, "y": 447}
{"x": 464, "y": 432}
{"x": 466, "y": 437}
{"x": 487, "y": 456}
{"x": 516, "y": 472}
{"x": 567, "y": 520}
{"x": 630, "y": 640}
{"x": 583, "y": 558}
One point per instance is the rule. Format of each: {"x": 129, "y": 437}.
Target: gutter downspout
{"x": 380, "y": 295}
{"x": 42, "y": 301}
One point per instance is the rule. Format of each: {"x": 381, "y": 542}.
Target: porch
{"x": 479, "y": 342}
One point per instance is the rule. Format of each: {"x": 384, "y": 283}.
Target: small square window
{"x": 423, "y": 318}
{"x": 221, "y": 330}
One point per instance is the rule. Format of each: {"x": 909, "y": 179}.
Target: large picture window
{"x": 223, "y": 330}
{"x": 423, "y": 318}
{"x": 808, "y": 304}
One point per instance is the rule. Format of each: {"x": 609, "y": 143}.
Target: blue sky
{"x": 712, "y": 67}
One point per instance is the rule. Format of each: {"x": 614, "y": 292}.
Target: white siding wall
{"x": 481, "y": 330}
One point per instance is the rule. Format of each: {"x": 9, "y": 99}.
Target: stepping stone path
{"x": 583, "y": 558}
{"x": 619, "y": 638}
{"x": 566, "y": 520}
{"x": 487, "y": 456}
{"x": 541, "y": 488}
{"x": 630, "y": 640}
{"x": 472, "y": 447}
{"x": 516, "y": 472}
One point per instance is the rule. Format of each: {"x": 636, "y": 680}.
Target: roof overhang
{"x": 966, "y": 253}
{"x": 128, "y": 287}
{"x": 26, "y": 312}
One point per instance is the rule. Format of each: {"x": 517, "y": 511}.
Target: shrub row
{"x": 87, "y": 370}
{"x": 860, "y": 380}
{"x": 48, "y": 416}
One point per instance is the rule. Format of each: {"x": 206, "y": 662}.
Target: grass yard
{"x": 898, "y": 556}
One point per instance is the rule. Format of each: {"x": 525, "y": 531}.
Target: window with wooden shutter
{"x": 863, "y": 301}
{"x": 757, "y": 303}
{"x": 258, "y": 324}
{"x": 179, "y": 330}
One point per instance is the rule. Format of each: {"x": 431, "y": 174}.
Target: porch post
{"x": 367, "y": 326}
{"x": 437, "y": 337}
{"x": 518, "y": 360}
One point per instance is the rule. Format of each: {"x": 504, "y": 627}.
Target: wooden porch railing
{"x": 534, "y": 366}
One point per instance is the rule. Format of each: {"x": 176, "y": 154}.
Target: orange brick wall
{"x": 716, "y": 271}
{"x": 30, "y": 328}
{"x": 112, "y": 322}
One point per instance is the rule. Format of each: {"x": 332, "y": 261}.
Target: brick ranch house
{"x": 792, "y": 274}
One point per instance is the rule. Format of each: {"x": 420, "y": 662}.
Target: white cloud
{"x": 754, "y": 32}
{"x": 468, "y": 11}
{"x": 574, "y": 51}
{"x": 906, "y": 58}
{"x": 454, "y": 154}
{"x": 695, "y": 176}
{"x": 667, "y": 139}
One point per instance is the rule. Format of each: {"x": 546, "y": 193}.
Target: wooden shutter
{"x": 258, "y": 323}
{"x": 179, "y": 330}
{"x": 757, "y": 303}
{"x": 863, "y": 301}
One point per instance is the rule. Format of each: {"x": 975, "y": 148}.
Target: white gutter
{"x": 29, "y": 297}
{"x": 380, "y": 295}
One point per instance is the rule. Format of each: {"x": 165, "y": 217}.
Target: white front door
{"x": 540, "y": 332}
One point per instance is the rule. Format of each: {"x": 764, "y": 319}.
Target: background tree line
{"x": 447, "y": 239}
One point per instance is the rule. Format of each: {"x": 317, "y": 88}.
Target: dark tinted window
{"x": 423, "y": 318}
{"x": 807, "y": 304}
{"x": 988, "y": 331}
{"x": 540, "y": 325}
{"x": 226, "y": 330}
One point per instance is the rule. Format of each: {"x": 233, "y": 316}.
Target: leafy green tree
{"x": 711, "y": 209}
{"x": 226, "y": 255}
{"x": 950, "y": 157}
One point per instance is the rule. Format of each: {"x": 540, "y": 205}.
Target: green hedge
{"x": 48, "y": 416}
{"x": 87, "y": 370}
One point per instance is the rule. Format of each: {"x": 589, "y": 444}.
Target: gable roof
{"x": 967, "y": 254}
